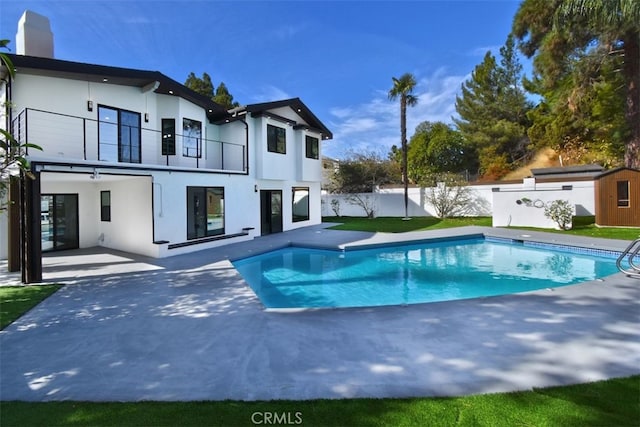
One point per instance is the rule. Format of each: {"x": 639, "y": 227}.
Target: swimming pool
{"x": 417, "y": 273}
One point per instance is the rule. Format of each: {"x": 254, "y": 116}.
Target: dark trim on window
{"x": 168, "y": 137}
{"x": 190, "y": 126}
{"x": 276, "y": 139}
{"x": 622, "y": 194}
{"x": 205, "y": 212}
{"x": 128, "y": 141}
{"x": 299, "y": 204}
{"x": 105, "y": 206}
{"x": 312, "y": 147}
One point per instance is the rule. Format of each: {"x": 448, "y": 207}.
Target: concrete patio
{"x": 130, "y": 328}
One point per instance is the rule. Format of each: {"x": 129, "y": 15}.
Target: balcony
{"x": 76, "y": 138}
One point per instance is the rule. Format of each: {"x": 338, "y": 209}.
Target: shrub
{"x": 560, "y": 211}
{"x": 450, "y": 197}
{"x": 335, "y": 206}
{"x": 366, "y": 201}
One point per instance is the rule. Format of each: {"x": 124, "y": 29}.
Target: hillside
{"x": 545, "y": 158}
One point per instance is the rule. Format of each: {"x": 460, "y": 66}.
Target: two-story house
{"x": 135, "y": 161}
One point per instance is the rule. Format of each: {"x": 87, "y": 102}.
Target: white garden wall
{"x": 511, "y": 210}
{"x": 494, "y": 199}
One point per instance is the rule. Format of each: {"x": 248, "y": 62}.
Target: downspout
{"x": 246, "y": 130}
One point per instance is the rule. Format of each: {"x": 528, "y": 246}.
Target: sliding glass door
{"x": 119, "y": 135}
{"x": 270, "y": 211}
{"x": 59, "y": 221}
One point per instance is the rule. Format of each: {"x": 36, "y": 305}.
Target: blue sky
{"x": 338, "y": 57}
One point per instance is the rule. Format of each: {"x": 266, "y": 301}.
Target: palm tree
{"x": 403, "y": 88}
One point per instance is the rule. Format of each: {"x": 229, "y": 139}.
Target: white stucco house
{"x": 135, "y": 161}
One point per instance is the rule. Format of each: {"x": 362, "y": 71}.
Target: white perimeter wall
{"x": 487, "y": 201}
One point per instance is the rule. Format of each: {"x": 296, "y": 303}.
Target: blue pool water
{"x": 409, "y": 274}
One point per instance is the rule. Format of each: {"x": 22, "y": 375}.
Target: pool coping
{"x": 610, "y": 248}
{"x": 367, "y": 240}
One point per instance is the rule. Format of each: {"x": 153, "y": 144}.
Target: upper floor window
{"x": 168, "y": 137}
{"x": 276, "y": 139}
{"x": 312, "y": 147}
{"x": 191, "y": 138}
{"x": 118, "y": 135}
{"x": 623, "y": 194}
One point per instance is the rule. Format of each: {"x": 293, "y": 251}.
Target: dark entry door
{"x": 271, "y": 211}
{"x": 59, "y": 221}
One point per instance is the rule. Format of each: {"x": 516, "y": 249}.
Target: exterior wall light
{"x": 89, "y": 105}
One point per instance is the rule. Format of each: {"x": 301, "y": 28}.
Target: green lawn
{"x": 17, "y": 300}
{"x": 397, "y": 225}
{"x": 607, "y": 403}
{"x": 585, "y": 226}
{"x": 582, "y": 225}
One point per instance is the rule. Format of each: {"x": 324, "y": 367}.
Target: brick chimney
{"x": 34, "y": 36}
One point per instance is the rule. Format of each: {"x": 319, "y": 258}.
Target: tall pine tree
{"x": 204, "y": 86}
{"x": 493, "y": 112}
{"x": 224, "y": 98}
{"x": 586, "y": 56}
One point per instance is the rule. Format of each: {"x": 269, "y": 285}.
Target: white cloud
{"x": 286, "y": 32}
{"x": 374, "y": 126}
{"x": 482, "y": 50}
{"x": 357, "y": 125}
{"x": 269, "y": 93}
{"x": 341, "y": 112}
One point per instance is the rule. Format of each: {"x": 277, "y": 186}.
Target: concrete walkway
{"x": 131, "y": 328}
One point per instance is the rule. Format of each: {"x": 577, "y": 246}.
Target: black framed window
{"x": 276, "y": 139}
{"x": 312, "y": 147}
{"x": 168, "y": 137}
{"x": 191, "y": 138}
{"x": 300, "y": 207}
{"x": 105, "y": 206}
{"x": 622, "y": 193}
{"x": 205, "y": 211}
{"x": 119, "y": 135}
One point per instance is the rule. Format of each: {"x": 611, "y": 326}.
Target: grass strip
{"x": 585, "y": 226}
{"x": 582, "y": 226}
{"x": 17, "y": 300}
{"x": 609, "y": 402}
{"x": 398, "y": 225}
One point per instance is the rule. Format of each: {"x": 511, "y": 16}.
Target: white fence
{"x": 496, "y": 200}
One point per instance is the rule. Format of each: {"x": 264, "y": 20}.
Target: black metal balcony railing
{"x": 80, "y": 138}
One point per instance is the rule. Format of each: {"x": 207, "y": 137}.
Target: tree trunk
{"x": 632, "y": 75}
{"x": 403, "y": 136}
